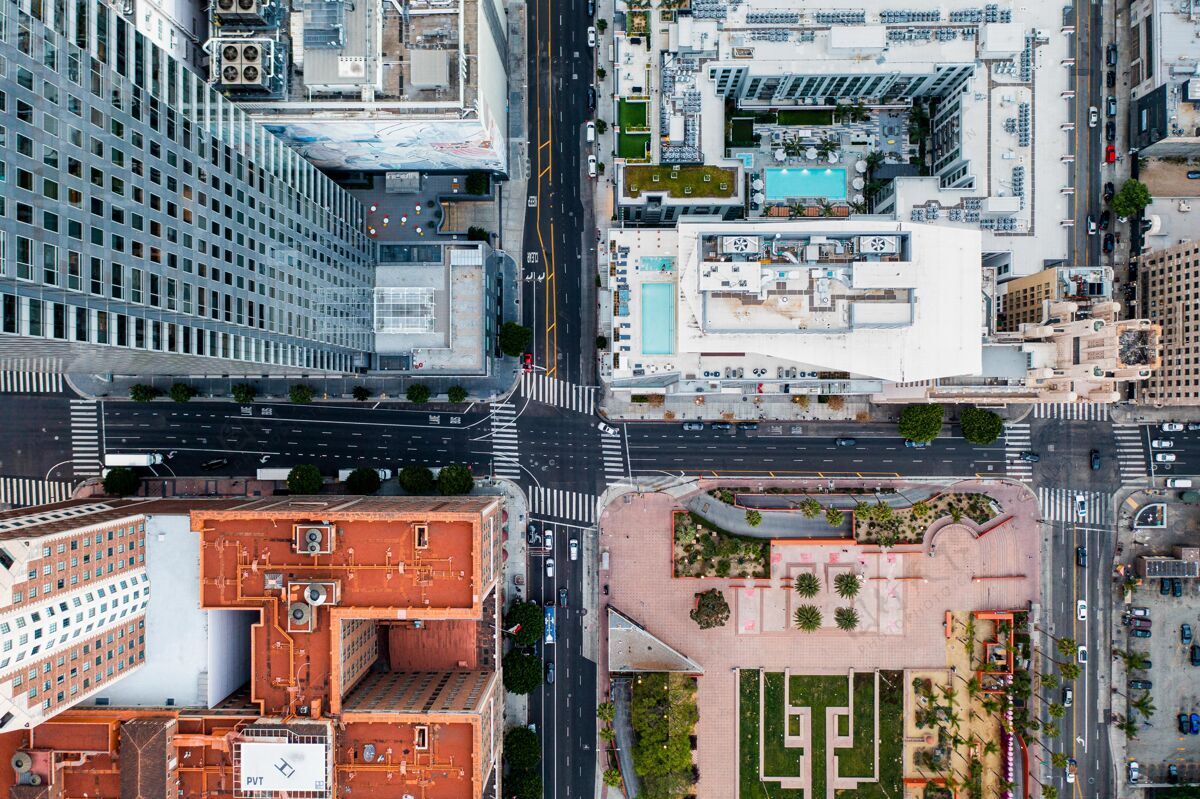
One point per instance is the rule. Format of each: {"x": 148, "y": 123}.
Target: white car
{"x": 550, "y": 569}
{"x": 607, "y": 429}
{"x": 1164, "y": 457}
{"x": 1134, "y": 771}
{"x": 1171, "y": 427}
{"x": 1081, "y": 610}
{"x": 1081, "y": 504}
{"x": 1093, "y": 116}
{"x": 1162, "y": 443}
{"x": 591, "y": 131}
{"x": 591, "y": 35}
{"x": 548, "y": 538}
{"x": 573, "y": 548}
{"x": 591, "y": 166}
{"x": 1081, "y": 654}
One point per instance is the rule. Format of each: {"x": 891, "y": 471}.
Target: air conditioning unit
{"x": 238, "y": 13}
{"x": 300, "y": 617}
{"x": 316, "y": 594}
{"x": 877, "y": 245}
{"x": 312, "y": 538}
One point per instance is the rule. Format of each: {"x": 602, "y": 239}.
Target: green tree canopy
{"x": 753, "y": 518}
{"x": 531, "y": 618}
{"x": 417, "y": 480}
{"x": 846, "y": 618}
{"x": 121, "y": 481}
{"x": 478, "y": 183}
{"x": 807, "y": 584}
{"x": 807, "y": 618}
{"x": 182, "y": 392}
{"x": 921, "y": 422}
{"x": 514, "y": 339}
{"x": 360, "y": 393}
{"x": 305, "y": 479}
{"x": 606, "y": 712}
{"x": 612, "y": 778}
{"x": 140, "y": 392}
{"x": 664, "y": 715}
{"x": 711, "y": 609}
{"x": 847, "y": 585}
{"x": 455, "y": 479}
{"x": 525, "y": 785}
{"x": 522, "y": 748}
{"x": 244, "y": 393}
{"x": 980, "y": 426}
{"x": 417, "y": 393}
{"x": 363, "y": 481}
{"x": 834, "y": 517}
{"x": 522, "y": 673}
{"x": 1131, "y": 198}
{"x": 478, "y": 234}
{"x": 301, "y": 394}
{"x": 810, "y": 507}
{"x": 456, "y": 394}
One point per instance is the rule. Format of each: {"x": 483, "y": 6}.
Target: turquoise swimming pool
{"x": 657, "y": 263}
{"x": 658, "y": 318}
{"x": 784, "y": 183}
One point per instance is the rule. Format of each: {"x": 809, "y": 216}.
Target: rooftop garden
{"x": 634, "y": 146}
{"x": 880, "y": 523}
{"x": 633, "y": 114}
{"x": 686, "y": 181}
{"x": 703, "y": 550}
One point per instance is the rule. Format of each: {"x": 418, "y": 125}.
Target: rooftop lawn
{"x": 641, "y": 178}
{"x": 805, "y": 116}
{"x": 632, "y": 114}
{"x": 633, "y": 145}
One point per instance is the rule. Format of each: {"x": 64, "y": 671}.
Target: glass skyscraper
{"x": 148, "y": 225}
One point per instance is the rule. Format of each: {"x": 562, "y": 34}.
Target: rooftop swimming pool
{"x": 658, "y": 318}
{"x": 657, "y": 263}
{"x": 785, "y": 183}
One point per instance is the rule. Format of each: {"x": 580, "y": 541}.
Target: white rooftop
{"x": 287, "y": 767}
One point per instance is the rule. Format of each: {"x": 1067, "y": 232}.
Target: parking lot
{"x": 1175, "y": 682}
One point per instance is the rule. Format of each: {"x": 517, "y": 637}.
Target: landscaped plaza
{"x": 839, "y": 663}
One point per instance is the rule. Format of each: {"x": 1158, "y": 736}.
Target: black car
{"x": 591, "y": 98}
{"x": 721, "y": 426}
{"x": 550, "y": 673}
{"x": 1110, "y": 79}
{"x": 562, "y": 597}
{"x": 1164, "y": 587}
{"x": 1110, "y": 190}
{"x": 1110, "y": 132}
{"x": 215, "y": 463}
{"x": 747, "y": 425}
{"x": 845, "y": 442}
{"x": 1105, "y": 220}
{"x": 1030, "y": 457}
{"x": 1094, "y": 457}
{"x": 1110, "y": 243}
{"x": 1195, "y": 655}
{"x": 1141, "y": 685}
{"x": 1111, "y": 55}
{"x": 1176, "y": 587}
{"x": 1081, "y": 557}
{"x": 1185, "y": 724}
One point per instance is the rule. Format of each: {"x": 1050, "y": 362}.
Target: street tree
{"x": 514, "y": 339}
{"x": 182, "y": 392}
{"x": 834, "y": 517}
{"x": 121, "y": 481}
{"x": 810, "y": 507}
{"x": 711, "y": 609}
{"x": 455, "y": 479}
{"x": 921, "y": 422}
{"x": 417, "y": 393}
{"x": 363, "y": 481}
{"x": 1131, "y": 198}
{"x": 522, "y": 748}
{"x": 305, "y": 479}
{"x": 606, "y": 712}
{"x": 753, "y": 518}
{"x": 531, "y": 619}
{"x": 360, "y": 393}
{"x": 244, "y": 393}
{"x": 980, "y": 426}
{"x": 456, "y": 394}
{"x": 140, "y": 392}
{"x": 300, "y": 394}
{"x": 1066, "y": 647}
{"x": 522, "y": 673}
{"x": 612, "y": 778}
{"x": 417, "y": 480}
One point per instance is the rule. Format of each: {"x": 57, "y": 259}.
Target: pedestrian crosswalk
{"x": 1072, "y": 411}
{"x": 613, "y": 450}
{"x": 1060, "y": 505}
{"x": 504, "y": 441}
{"x": 557, "y": 504}
{"x": 20, "y": 492}
{"x": 13, "y": 381}
{"x": 539, "y": 387}
{"x": 1016, "y": 441}
{"x": 1131, "y": 453}
{"x": 85, "y": 438}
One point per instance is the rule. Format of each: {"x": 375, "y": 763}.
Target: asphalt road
{"x": 1088, "y": 145}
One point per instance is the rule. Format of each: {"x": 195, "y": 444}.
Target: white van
{"x": 132, "y": 459}
{"x": 384, "y": 474}
{"x": 1179, "y": 482}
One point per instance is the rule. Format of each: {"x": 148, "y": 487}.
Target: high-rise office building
{"x": 73, "y": 596}
{"x": 147, "y": 224}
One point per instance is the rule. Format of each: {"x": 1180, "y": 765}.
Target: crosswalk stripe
{"x": 505, "y": 445}
{"x": 1131, "y": 453}
{"x": 27, "y": 378}
{"x": 1017, "y": 439}
{"x": 22, "y": 492}
{"x": 85, "y": 438}
{"x": 1058, "y": 504}
{"x": 560, "y": 504}
{"x": 1072, "y": 411}
{"x": 540, "y": 387}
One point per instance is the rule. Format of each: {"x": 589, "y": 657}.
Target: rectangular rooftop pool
{"x": 786, "y": 183}
{"x": 658, "y": 318}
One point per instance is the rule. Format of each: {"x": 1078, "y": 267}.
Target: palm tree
{"x": 1049, "y": 680}
{"x": 606, "y": 711}
{"x": 1067, "y": 647}
{"x": 826, "y": 208}
{"x": 1056, "y": 710}
{"x": 1144, "y": 705}
{"x": 807, "y": 585}
{"x": 807, "y": 618}
{"x": 847, "y": 585}
{"x": 1128, "y": 726}
{"x": 810, "y": 507}
{"x": 1070, "y": 671}
{"x": 608, "y": 734}
{"x": 1058, "y": 759}
{"x": 874, "y": 159}
{"x": 973, "y": 687}
{"x": 833, "y": 516}
{"x": 846, "y": 618}
{"x": 1049, "y": 792}
{"x": 1050, "y": 730}
{"x": 1134, "y": 661}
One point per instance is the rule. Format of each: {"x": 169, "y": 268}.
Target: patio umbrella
{"x": 834, "y": 158}
{"x": 757, "y": 184}
{"x": 759, "y": 198}
{"x": 858, "y": 198}
{"x": 860, "y": 167}
{"x": 811, "y": 153}
{"x": 780, "y": 154}
{"x": 858, "y": 183}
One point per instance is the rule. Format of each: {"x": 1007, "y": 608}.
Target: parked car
{"x": 721, "y": 426}
{"x": 1110, "y": 54}
{"x": 1194, "y": 654}
{"x": 1195, "y": 723}
{"x": 1164, "y": 457}
{"x": 1140, "y": 633}
{"x": 1111, "y": 106}
{"x": 1068, "y": 697}
{"x": 550, "y": 672}
{"x": 590, "y": 129}
{"x": 591, "y": 98}
{"x": 1164, "y": 587}
{"x": 1110, "y": 136}
{"x": 1193, "y": 174}
{"x": 1105, "y": 219}
{"x": 1172, "y": 773}
{"x": 1110, "y": 191}
{"x": 1176, "y": 587}
{"x": 1094, "y": 460}
{"x": 1171, "y": 427}
{"x": 593, "y": 169}
{"x": 1030, "y": 457}
{"x": 1179, "y": 482}
{"x": 1110, "y": 154}
{"x": 693, "y": 425}
{"x": 591, "y": 34}
{"x": 1110, "y": 79}
{"x": 1141, "y": 624}
{"x": 1185, "y": 633}
{"x": 1110, "y": 243}
{"x": 1162, "y": 443}
{"x": 1081, "y": 557}
{"x": 1185, "y": 725}
{"x": 215, "y": 463}
{"x": 747, "y": 425}
{"x": 1193, "y": 426}
{"x": 573, "y": 548}
{"x": 1139, "y": 612}
{"x": 1134, "y": 770}
{"x": 908, "y": 442}
{"x": 1081, "y": 610}
{"x": 846, "y": 442}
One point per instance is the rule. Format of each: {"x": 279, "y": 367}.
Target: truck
{"x": 132, "y": 459}
{"x": 549, "y": 622}
{"x": 384, "y": 474}
{"x": 274, "y": 474}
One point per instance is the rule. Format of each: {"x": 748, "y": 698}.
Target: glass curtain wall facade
{"x": 148, "y": 225}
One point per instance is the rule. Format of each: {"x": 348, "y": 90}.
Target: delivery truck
{"x": 274, "y": 474}
{"x": 132, "y": 459}
{"x": 384, "y": 474}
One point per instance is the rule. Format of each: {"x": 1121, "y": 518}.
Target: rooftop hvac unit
{"x": 313, "y": 538}
{"x": 877, "y": 245}
{"x": 300, "y": 617}
{"x": 739, "y": 244}
{"x": 242, "y": 12}
{"x": 21, "y": 762}
{"x": 316, "y": 594}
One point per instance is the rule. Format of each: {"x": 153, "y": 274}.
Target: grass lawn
{"x": 631, "y": 115}
{"x": 750, "y": 786}
{"x": 677, "y": 182}
{"x": 633, "y": 145}
{"x": 891, "y": 732}
{"x": 741, "y": 132}
{"x": 818, "y": 693}
{"x": 778, "y": 761}
{"x": 806, "y": 116}
{"x": 859, "y": 761}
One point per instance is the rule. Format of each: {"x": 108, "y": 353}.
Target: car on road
{"x": 527, "y": 362}
{"x": 1164, "y": 457}
{"x": 1193, "y": 426}
{"x": 1171, "y": 427}
{"x": 1140, "y": 633}
{"x": 1093, "y": 116}
{"x": 549, "y": 541}
{"x": 215, "y": 463}
{"x": 607, "y": 429}
{"x": 1110, "y": 243}
{"x": 591, "y": 34}
{"x": 1110, "y": 136}
{"x": 1176, "y": 587}
{"x": 1094, "y": 460}
{"x": 590, "y": 129}
{"x": 1110, "y": 79}
{"x": 1068, "y": 697}
{"x": 1194, "y": 654}
{"x": 1105, "y": 220}
{"x": 1081, "y": 609}
{"x": 1091, "y": 225}
{"x": 1162, "y": 443}
{"x": 747, "y": 425}
{"x": 1081, "y": 557}
{"x": 1185, "y": 726}
{"x": 846, "y": 442}
{"x": 1030, "y": 457}
{"x": 1081, "y": 505}
{"x": 549, "y": 563}
{"x": 1110, "y": 191}
{"x": 1110, "y": 154}
{"x": 592, "y": 168}
{"x": 563, "y": 598}
{"x": 1111, "y": 107}
{"x": 573, "y": 548}
{"x": 1110, "y": 54}
{"x": 721, "y": 426}
{"x": 1135, "y": 771}
{"x": 693, "y": 425}
{"x": 548, "y": 623}
{"x": 908, "y": 442}
{"x": 1194, "y": 174}
{"x": 550, "y": 673}
{"x": 1072, "y": 767}
{"x": 1185, "y": 633}
{"x": 591, "y": 98}
{"x": 1081, "y": 654}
